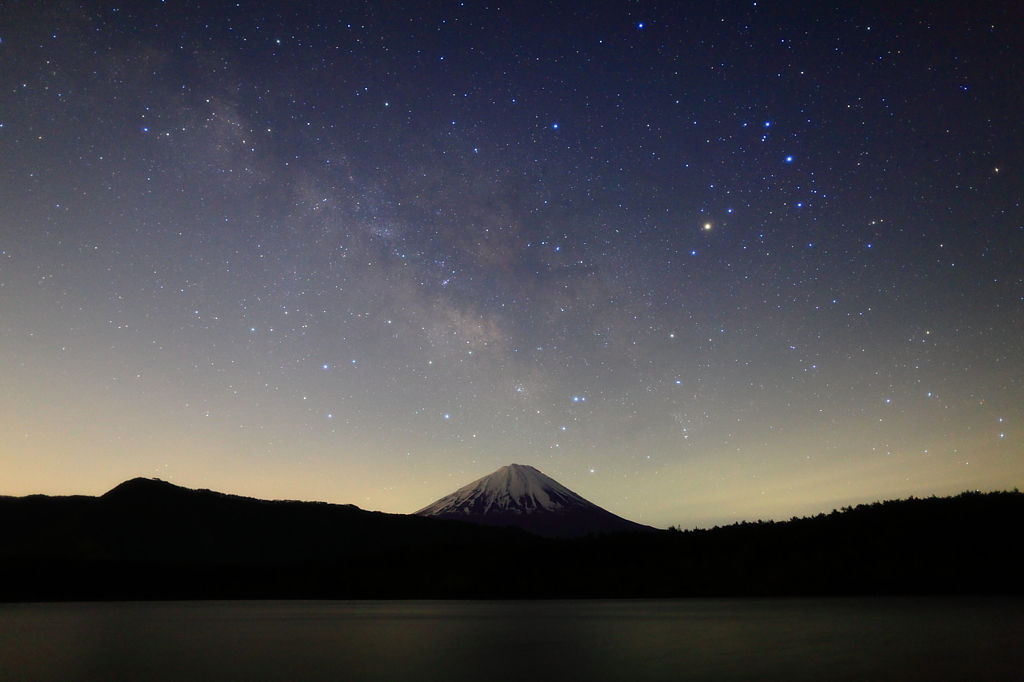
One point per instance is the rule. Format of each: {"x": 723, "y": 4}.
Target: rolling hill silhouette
{"x": 148, "y": 539}
{"x": 153, "y": 520}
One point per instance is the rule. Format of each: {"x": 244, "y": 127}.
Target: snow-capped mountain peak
{"x": 520, "y": 495}
{"x": 516, "y": 487}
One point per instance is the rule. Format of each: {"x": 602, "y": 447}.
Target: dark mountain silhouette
{"x": 147, "y": 539}
{"x": 152, "y": 520}
{"x": 521, "y": 496}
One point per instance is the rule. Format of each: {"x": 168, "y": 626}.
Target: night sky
{"x": 700, "y": 262}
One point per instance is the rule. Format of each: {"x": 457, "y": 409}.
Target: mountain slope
{"x": 148, "y": 539}
{"x": 520, "y": 495}
{"x": 152, "y": 520}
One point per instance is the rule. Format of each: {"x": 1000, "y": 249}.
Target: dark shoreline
{"x": 87, "y": 549}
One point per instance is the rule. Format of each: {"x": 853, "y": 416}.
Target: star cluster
{"x": 698, "y": 262}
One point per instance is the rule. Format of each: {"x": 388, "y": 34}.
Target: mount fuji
{"x": 519, "y": 495}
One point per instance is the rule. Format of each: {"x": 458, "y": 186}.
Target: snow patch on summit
{"x": 516, "y": 488}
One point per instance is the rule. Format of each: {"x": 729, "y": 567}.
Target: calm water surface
{"x": 789, "y": 639}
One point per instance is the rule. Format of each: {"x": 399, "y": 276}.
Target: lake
{"x": 689, "y": 639}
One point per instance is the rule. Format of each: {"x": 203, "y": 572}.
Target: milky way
{"x": 699, "y": 262}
